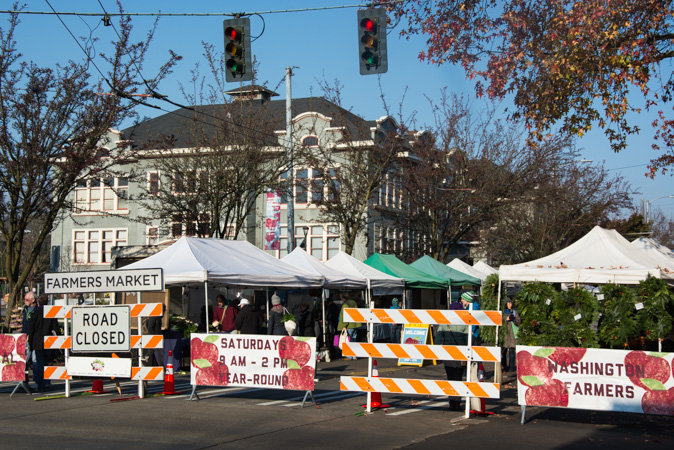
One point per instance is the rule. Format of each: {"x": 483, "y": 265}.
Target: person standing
{"x": 247, "y": 320}
{"x": 275, "y": 324}
{"x": 27, "y": 315}
{"x": 468, "y": 302}
{"x": 395, "y": 327}
{"x": 40, "y": 327}
{"x": 350, "y": 327}
{"x": 453, "y": 335}
{"x": 511, "y": 320}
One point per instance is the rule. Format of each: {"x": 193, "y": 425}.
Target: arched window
{"x": 310, "y": 141}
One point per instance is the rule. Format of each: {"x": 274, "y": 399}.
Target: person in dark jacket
{"x": 275, "y": 324}
{"x": 39, "y": 327}
{"x": 248, "y": 320}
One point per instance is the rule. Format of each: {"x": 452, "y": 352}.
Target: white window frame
{"x": 92, "y": 245}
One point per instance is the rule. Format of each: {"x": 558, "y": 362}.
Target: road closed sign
{"x": 101, "y": 328}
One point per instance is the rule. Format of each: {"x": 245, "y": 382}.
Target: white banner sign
{"x": 274, "y": 362}
{"x": 95, "y": 366}
{"x": 101, "y": 328}
{"x": 139, "y": 280}
{"x": 596, "y": 379}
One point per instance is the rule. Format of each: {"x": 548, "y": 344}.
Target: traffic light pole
{"x": 290, "y": 195}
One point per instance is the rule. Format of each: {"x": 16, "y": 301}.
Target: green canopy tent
{"x": 414, "y": 278}
{"x": 437, "y": 269}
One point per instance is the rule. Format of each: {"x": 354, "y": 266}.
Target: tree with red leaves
{"x": 568, "y": 63}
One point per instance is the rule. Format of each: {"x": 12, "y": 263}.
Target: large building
{"x": 111, "y": 211}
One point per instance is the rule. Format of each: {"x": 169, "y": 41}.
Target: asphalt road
{"x": 262, "y": 418}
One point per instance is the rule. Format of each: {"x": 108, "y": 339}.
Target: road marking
{"x": 420, "y": 408}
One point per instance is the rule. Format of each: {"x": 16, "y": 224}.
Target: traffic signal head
{"x": 238, "y": 65}
{"x": 372, "y": 41}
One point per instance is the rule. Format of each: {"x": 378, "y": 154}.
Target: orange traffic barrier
{"x": 375, "y": 397}
{"x": 169, "y": 386}
{"x": 97, "y": 387}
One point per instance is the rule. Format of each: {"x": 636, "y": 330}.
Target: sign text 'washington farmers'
{"x": 139, "y": 280}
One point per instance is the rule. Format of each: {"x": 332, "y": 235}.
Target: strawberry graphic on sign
{"x": 297, "y": 352}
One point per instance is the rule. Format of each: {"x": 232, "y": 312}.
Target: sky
{"x": 320, "y": 45}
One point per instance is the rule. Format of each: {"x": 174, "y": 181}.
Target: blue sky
{"x": 320, "y": 44}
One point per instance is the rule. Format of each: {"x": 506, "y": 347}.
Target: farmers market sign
{"x": 596, "y": 379}
{"x": 272, "y": 362}
{"x": 138, "y": 280}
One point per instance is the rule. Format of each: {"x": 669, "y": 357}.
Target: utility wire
{"x": 283, "y": 11}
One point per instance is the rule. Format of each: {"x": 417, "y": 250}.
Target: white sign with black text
{"x": 138, "y": 280}
{"x": 101, "y": 328}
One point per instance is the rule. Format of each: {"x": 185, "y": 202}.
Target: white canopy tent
{"x": 199, "y": 261}
{"x": 461, "y": 266}
{"x": 484, "y": 268}
{"x": 601, "y": 256}
{"x": 659, "y": 253}
{"x": 379, "y": 282}
{"x": 227, "y": 262}
{"x": 334, "y": 278}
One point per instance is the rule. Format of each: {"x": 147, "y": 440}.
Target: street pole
{"x": 648, "y": 206}
{"x": 290, "y": 195}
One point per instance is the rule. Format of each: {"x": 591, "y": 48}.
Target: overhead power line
{"x": 163, "y": 14}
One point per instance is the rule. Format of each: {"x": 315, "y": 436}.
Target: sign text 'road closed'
{"x": 101, "y": 328}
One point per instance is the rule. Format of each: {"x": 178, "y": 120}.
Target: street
{"x": 263, "y": 418}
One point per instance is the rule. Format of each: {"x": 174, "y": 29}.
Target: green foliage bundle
{"x": 489, "y": 301}
{"x": 654, "y": 319}
{"x": 576, "y": 318}
{"x": 540, "y": 307}
{"x": 618, "y": 325}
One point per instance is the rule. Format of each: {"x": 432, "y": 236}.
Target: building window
{"x": 152, "y": 236}
{"x": 185, "y": 182}
{"x": 302, "y": 186}
{"x": 107, "y": 194}
{"x": 310, "y": 186}
{"x": 95, "y": 246}
{"x": 310, "y": 141}
{"x": 153, "y": 183}
{"x": 189, "y": 225}
{"x": 322, "y": 242}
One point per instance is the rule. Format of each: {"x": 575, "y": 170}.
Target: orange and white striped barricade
{"x": 422, "y": 351}
{"x": 56, "y": 373}
{"x": 420, "y": 387}
{"x": 471, "y": 388}
{"x": 137, "y": 310}
{"x": 147, "y": 373}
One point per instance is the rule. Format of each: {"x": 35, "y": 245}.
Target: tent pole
{"x": 206, "y": 303}
{"x": 325, "y": 345}
{"x": 497, "y": 366}
{"x": 266, "y": 303}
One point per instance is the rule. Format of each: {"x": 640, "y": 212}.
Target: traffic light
{"x": 238, "y": 65}
{"x": 372, "y": 41}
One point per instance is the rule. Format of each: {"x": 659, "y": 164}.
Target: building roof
{"x": 177, "y": 125}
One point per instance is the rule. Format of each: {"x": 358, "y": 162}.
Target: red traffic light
{"x": 233, "y": 34}
{"x": 367, "y": 24}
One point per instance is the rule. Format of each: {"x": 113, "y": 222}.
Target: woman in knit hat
{"x": 275, "y": 324}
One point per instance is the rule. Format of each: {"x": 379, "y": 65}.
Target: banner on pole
{"x": 272, "y": 227}
{"x": 596, "y": 379}
{"x": 272, "y": 362}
